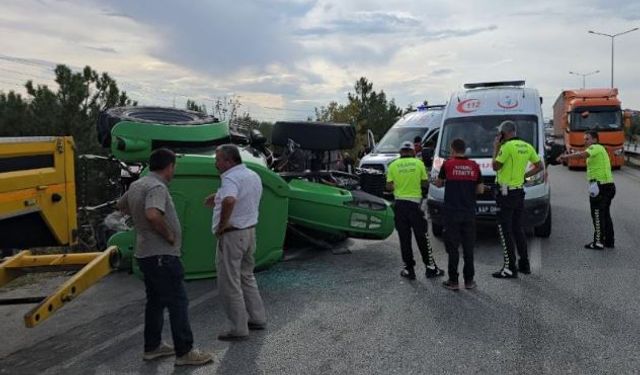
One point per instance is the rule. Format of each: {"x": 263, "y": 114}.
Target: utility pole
{"x": 583, "y": 75}
{"x": 612, "y": 44}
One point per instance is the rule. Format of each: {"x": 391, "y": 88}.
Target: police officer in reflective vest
{"x": 601, "y": 190}
{"x": 511, "y": 157}
{"x": 405, "y": 177}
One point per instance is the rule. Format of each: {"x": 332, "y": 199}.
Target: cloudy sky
{"x": 283, "y": 58}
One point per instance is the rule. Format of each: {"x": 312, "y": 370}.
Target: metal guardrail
{"x": 632, "y": 154}
{"x": 632, "y": 148}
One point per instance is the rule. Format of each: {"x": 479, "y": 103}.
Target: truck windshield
{"x": 391, "y": 141}
{"x": 478, "y": 133}
{"x": 596, "y": 118}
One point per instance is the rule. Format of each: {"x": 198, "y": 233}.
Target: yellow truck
{"x": 37, "y": 194}
{"x": 38, "y": 209}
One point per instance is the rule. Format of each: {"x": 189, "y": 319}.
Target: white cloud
{"x": 285, "y": 57}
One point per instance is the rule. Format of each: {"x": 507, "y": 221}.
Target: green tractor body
{"x": 132, "y": 134}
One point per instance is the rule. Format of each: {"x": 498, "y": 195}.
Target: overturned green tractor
{"x": 317, "y": 201}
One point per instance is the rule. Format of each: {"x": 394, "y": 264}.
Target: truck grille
{"x": 372, "y": 181}
{"x": 377, "y": 167}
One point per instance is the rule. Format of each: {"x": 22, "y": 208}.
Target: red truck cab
{"x": 577, "y": 111}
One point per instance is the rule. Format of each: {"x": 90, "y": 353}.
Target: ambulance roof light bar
{"x": 478, "y": 85}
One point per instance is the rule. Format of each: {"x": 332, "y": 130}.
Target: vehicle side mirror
{"x": 427, "y": 156}
{"x": 553, "y": 152}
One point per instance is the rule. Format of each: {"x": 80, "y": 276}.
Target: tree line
{"x": 365, "y": 109}
{"x": 74, "y": 106}
{"x": 72, "y": 109}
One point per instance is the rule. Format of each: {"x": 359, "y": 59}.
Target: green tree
{"x": 366, "y": 109}
{"x": 375, "y": 113}
{"x": 13, "y": 114}
{"x": 408, "y": 109}
{"x": 227, "y": 108}
{"x": 193, "y": 106}
{"x": 335, "y": 112}
{"x": 71, "y": 110}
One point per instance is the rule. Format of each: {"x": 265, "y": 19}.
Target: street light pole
{"x": 612, "y": 48}
{"x": 583, "y": 75}
{"x": 612, "y": 45}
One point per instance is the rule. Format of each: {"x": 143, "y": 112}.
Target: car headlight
{"x": 536, "y": 179}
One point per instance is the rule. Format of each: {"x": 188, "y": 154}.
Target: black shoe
{"x": 432, "y": 272}
{"x": 594, "y": 246}
{"x": 523, "y": 266}
{"x": 505, "y": 273}
{"x": 408, "y": 273}
{"x": 256, "y": 326}
{"x": 451, "y": 285}
{"x": 228, "y": 336}
{"x": 470, "y": 284}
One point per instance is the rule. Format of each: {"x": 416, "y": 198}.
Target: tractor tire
{"x": 150, "y": 115}
{"x": 314, "y": 136}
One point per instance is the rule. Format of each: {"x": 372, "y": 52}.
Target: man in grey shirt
{"x": 158, "y": 241}
{"x": 235, "y": 215}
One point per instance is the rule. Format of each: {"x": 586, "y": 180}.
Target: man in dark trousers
{"x": 462, "y": 180}
{"x": 158, "y": 247}
{"x": 405, "y": 177}
{"x": 511, "y": 157}
{"x": 601, "y": 190}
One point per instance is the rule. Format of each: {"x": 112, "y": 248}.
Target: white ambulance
{"x": 474, "y": 115}
{"x": 424, "y": 123}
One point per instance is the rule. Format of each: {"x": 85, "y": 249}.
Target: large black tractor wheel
{"x": 314, "y": 136}
{"x": 149, "y": 115}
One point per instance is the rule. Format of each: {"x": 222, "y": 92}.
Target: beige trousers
{"x": 236, "y": 283}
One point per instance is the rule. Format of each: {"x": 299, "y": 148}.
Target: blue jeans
{"x": 164, "y": 282}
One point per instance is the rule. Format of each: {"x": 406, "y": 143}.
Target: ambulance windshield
{"x": 478, "y": 133}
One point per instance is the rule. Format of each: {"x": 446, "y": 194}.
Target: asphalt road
{"x": 351, "y": 313}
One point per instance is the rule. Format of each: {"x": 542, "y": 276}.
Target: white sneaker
{"x": 194, "y": 357}
{"x": 163, "y": 350}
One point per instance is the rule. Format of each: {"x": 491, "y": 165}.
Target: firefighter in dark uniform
{"x": 601, "y": 190}
{"x": 462, "y": 180}
{"x": 511, "y": 156}
{"x": 405, "y": 177}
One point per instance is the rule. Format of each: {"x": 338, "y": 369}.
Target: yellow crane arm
{"x": 93, "y": 267}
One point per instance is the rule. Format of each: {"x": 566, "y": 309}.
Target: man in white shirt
{"x": 235, "y": 216}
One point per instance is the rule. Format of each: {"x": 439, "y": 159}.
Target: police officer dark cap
{"x": 507, "y": 126}
{"x": 407, "y": 146}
